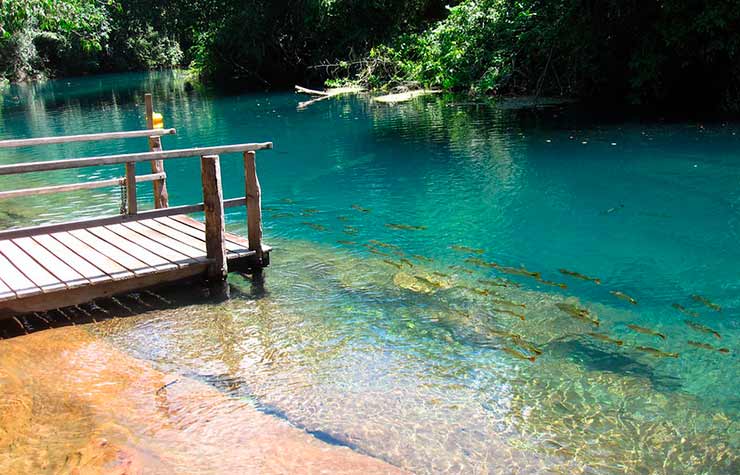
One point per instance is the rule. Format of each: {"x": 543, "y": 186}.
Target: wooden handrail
{"x": 86, "y": 137}
{"x": 117, "y": 219}
{"x": 45, "y": 190}
{"x": 129, "y": 158}
{"x": 161, "y": 197}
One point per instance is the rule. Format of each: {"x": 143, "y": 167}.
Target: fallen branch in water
{"x": 310, "y": 92}
{"x": 325, "y": 94}
{"x": 404, "y": 96}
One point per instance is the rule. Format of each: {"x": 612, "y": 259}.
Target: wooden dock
{"x": 61, "y": 264}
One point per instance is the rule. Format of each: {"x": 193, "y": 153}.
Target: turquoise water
{"x": 406, "y": 360}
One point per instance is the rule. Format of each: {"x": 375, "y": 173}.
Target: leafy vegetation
{"x": 684, "y": 53}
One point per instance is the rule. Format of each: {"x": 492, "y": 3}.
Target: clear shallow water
{"x": 413, "y": 371}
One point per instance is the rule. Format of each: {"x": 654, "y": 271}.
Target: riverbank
{"x": 103, "y": 411}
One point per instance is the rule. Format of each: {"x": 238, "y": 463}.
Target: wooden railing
{"x": 213, "y": 204}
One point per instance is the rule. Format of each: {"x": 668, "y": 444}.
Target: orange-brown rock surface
{"x": 73, "y": 404}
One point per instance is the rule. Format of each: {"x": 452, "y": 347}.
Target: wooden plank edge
{"x": 66, "y": 298}
{"x": 86, "y": 137}
{"x": 30, "y": 167}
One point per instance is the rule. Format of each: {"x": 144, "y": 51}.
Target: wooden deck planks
{"x": 167, "y": 238}
{"x": 112, "y": 252}
{"x": 29, "y": 267}
{"x": 84, "y": 268}
{"x": 5, "y": 291}
{"x": 47, "y": 269}
{"x": 197, "y": 228}
{"x": 132, "y": 248}
{"x": 15, "y": 280}
{"x": 191, "y": 241}
{"x": 55, "y": 266}
{"x": 163, "y": 252}
{"x": 111, "y": 268}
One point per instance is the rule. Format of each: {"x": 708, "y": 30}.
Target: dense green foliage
{"x": 68, "y": 32}
{"x": 651, "y": 51}
{"x": 64, "y": 37}
{"x": 678, "y": 52}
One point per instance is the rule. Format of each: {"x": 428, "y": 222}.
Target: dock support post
{"x": 254, "y": 207}
{"x": 131, "y": 205}
{"x": 161, "y": 198}
{"x": 213, "y": 202}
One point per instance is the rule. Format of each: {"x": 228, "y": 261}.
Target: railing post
{"x": 131, "y": 205}
{"x": 161, "y": 198}
{"x": 210, "y": 171}
{"x": 254, "y": 206}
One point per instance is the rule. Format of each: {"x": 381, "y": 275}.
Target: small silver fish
{"x": 623, "y": 296}
{"x": 656, "y": 352}
{"x": 708, "y": 303}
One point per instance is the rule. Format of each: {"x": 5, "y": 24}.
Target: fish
{"x": 310, "y": 211}
{"x": 656, "y": 352}
{"x": 623, "y": 296}
{"x": 522, "y": 343}
{"x": 404, "y": 227}
{"x": 612, "y": 210}
{"x": 461, "y": 269}
{"x": 684, "y": 310}
{"x": 703, "y": 329}
{"x": 375, "y": 242}
{"x": 343, "y": 218}
{"x": 407, "y": 262}
{"x": 645, "y": 331}
{"x": 510, "y": 312}
{"x": 360, "y": 209}
{"x": 502, "y": 333}
{"x": 476, "y": 291}
{"x": 707, "y": 346}
{"x": 281, "y": 215}
{"x": 350, "y": 230}
{"x": 472, "y": 250}
{"x": 347, "y": 243}
{"x": 317, "y": 227}
{"x": 553, "y": 284}
{"x": 605, "y": 337}
{"x": 578, "y": 275}
{"x": 705, "y": 301}
{"x": 394, "y": 264}
{"x": 480, "y": 262}
{"x": 427, "y": 281}
{"x": 419, "y": 257}
{"x": 287, "y": 201}
{"x": 375, "y": 251}
{"x": 579, "y": 313}
{"x": 499, "y": 283}
{"x": 519, "y": 354}
{"x": 440, "y": 274}
{"x": 518, "y": 271}
{"x": 508, "y": 302}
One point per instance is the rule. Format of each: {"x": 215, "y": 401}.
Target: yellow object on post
{"x": 157, "y": 120}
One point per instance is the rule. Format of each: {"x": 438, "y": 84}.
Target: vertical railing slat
{"x": 131, "y": 204}
{"x": 213, "y": 202}
{"x": 161, "y": 197}
{"x": 254, "y": 205}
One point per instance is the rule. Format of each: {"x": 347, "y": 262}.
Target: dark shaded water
{"x": 390, "y": 340}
